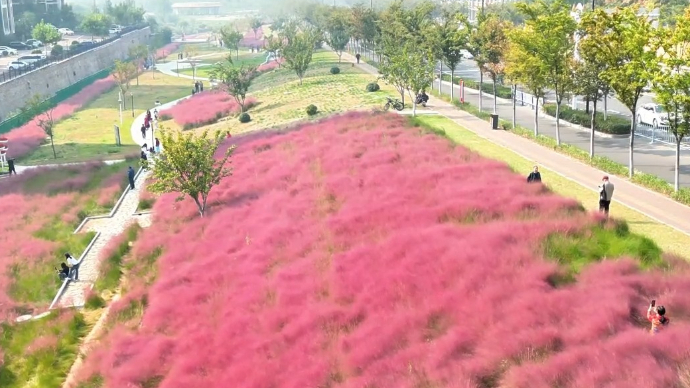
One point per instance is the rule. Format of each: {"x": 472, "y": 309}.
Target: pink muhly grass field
{"x": 250, "y": 39}
{"x": 204, "y": 108}
{"x": 28, "y": 137}
{"x": 167, "y": 50}
{"x": 272, "y": 65}
{"x": 358, "y": 252}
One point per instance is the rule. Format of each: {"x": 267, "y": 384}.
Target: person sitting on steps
{"x": 63, "y": 272}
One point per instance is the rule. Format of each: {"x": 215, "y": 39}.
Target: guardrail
{"x": 10, "y": 74}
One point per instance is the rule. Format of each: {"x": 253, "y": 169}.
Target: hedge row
{"x": 614, "y": 124}
{"x": 502, "y": 91}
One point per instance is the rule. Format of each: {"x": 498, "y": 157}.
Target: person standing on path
{"x": 605, "y": 195}
{"x": 130, "y": 176}
{"x": 143, "y": 131}
{"x": 534, "y": 176}
{"x": 73, "y": 267}
{"x": 358, "y": 56}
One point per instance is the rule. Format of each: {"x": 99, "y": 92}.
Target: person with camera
{"x": 656, "y": 315}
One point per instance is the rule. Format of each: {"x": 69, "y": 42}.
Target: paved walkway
{"x": 654, "y": 205}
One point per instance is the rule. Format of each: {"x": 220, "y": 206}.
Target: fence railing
{"x": 69, "y": 52}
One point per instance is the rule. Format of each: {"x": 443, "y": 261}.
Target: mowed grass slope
{"x": 360, "y": 252}
{"x": 89, "y": 133}
{"x": 205, "y": 67}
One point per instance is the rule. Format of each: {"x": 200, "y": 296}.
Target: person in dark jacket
{"x": 358, "y": 57}
{"x": 130, "y": 176}
{"x": 63, "y": 272}
{"x": 534, "y": 176}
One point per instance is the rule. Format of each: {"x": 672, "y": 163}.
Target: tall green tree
{"x": 24, "y": 24}
{"x": 419, "y": 74}
{"x": 589, "y": 84}
{"x": 494, "y": 47}
{"x": 482, "y": 46}
{"x": 236, "y": 81}
{"x": 138, "y": 53}
{"x": 524, "y": 68}
{"x": 338, "y": 33}
{"x": 274, "y": 45}
{"x": 189, "y": 167}
{"x": 96, "y": 24}
{"x": 46, "y": 33}
{"x": 123, "y": 72}
{"x": 231, "y": 39}
{"x": 126, "y": 13}
{"x": 452, "y": 40}
{"x": 298, "y": 52}
{"x": 255, "y": 24}
{"x": 554, "y": 49}
{"x": 672, "y": 84}
{"x": 625, "y": 42}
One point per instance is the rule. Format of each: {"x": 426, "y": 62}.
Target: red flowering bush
{"x": 29, "y": 136}
{"x": 359, "y": 252}
{"x": 204, "y": 108}
{"x": 167, "y": 50}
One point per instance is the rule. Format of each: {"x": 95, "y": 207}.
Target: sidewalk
{"x": 653, "y": 205}
{"x": 139, "y": 120}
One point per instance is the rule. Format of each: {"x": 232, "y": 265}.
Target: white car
{"x": 466, "y": 54}
{"x": 114, "y": 31}
{"x": 16, "y": 65}
{"x": 10, "y": 50}
{"x": 65, "y": 31}
{"x": 652, "y": 114}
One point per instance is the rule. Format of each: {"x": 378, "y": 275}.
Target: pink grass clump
{"x": 205, "y": 108}
{"x": 272, "y": 65}
{"x": 360, "y": 252}
{"x": 251, "y": 40}
{"x": 166, "y": 50}
{"x": 28, "y": 137}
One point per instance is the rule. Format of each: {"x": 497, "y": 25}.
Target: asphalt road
{"x": 656, "y": 159}
{"x": 65, "y": 42}
{"x": 467, "y": 69}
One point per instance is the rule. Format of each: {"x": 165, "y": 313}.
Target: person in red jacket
{"x": 655, "y": 315}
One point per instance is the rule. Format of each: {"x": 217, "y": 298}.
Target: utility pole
{"x": 592, "y": 5}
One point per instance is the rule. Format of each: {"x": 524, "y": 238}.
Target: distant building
{"x": 196, "y": 8}
{"x": 7, "y": 17}
{"x": 25, "y": 5}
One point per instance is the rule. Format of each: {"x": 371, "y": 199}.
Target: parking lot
{"x": 65, "y": 42}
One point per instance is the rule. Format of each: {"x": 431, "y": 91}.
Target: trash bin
{"x": 494, "y": 121}
{"x": 10, "y": 166}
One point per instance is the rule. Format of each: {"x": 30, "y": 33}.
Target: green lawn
{"x": 247, "y": 60}
{"x": 669, "y": 239}
{"x": 89, "y": 133}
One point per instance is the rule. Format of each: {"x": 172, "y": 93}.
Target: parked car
{"x": 115, "y": 29}
{"x": 31, "y": 58}
{"x": 19, "y": 46}
{"x": 65, "y": 31}
{"x": 8, "y": 50}
{"x": 35, "y": 43}
{"x": 652, "y": 114}
{"x": 16, "y": 65}
{"x": 87, "y": 43}
{"x": 466, "y": 54}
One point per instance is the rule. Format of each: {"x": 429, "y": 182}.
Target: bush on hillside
{"x": 335, "y": 70}
{"x": 373, "y": 87}
{"x": 205, "y": 108}
{"x": 57, "y": 50}
{"x": 614, "y": 124}
{"x": 245, "y": 118}
{"x": 312, "y": 110}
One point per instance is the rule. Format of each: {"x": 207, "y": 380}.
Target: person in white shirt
{"x": 74, "y": 267}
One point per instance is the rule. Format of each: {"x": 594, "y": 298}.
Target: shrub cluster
{"x": 312, "y": 110}
{"x": 205, "y": 108}
{"x": 245, "y": 118}
{"x": 614, "y": 124}
{"x": 335, "y": 70}
{"x": 373, "y": 87}
{"x": 56, "y": 50}
{"x": 37, "y": 51}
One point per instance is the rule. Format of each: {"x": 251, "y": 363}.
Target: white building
{"x": 7, "y": 17}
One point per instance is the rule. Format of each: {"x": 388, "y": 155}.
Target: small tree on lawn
{"x": 672, "y": 85}
{"x": 236, "y": 80}
{"x": 40, "y": 108}
{"x": 298, "y": 52}
{"x": 190, "y": 52}
{"x": 123, "y": 74}
{"x": 138, "y": 53}
{"x": 494, "y": 46}
{"x": 393, "y": 69}
{"x": 255, "y": 24}
{"x": 338, "y": 33}
{"x": 626, "y": 42}
{"x": 274, "y": 45}
{"x": 419, "y": 65}
{"x": 46, "y": 33}
{"x": 524, "y": 68}
{"x": 452, "y": 41}
{"x": 189, "y": 166}
{"x": 231, "y": 39}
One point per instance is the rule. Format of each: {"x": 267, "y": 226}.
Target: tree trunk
{"x": 514, "y": 105}
{"x": 606, "y": 109}
{"x": 558, "y": 122}
{"x": 536, "y": 118}
{"x": 631, "y": 165}
{"x": 52, "y": 144}
{"x": 591, "y": 133}
{"x": 199, "y": 206}
{"x": 452, "y": 85}
{"x": 481, "y": 82}
{"x": 414, "y": 108}
{"x": 676, "y": 184}
{"x": 586, "y": 105}
{"x": 495, "y": 105}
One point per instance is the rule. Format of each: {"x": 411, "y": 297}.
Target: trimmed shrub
{"x": 37, "y": 51}
{"x": 615, "y": 124}
{"x": 245, "y": 118}
{"x": 335, "y": 70}
{"x": 57, "y": 50}
{"x": 312, "y": 110}
{"x": 373, "y": 87}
